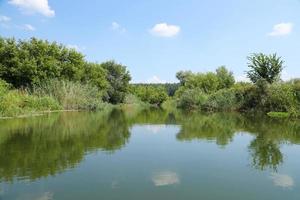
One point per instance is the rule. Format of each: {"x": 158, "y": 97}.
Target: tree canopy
{"x": 264, "y": 67}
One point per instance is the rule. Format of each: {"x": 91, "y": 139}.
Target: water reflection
{"x": 36, "y": 147}
{"x": 42, "y": 146}
{"x": 282, "y": 180}
{"x": 265, "y": 153}
{"x": 264, "y": 149}
{"x": 165, "y": 178}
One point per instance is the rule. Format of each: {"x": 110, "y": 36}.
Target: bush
{"x": 222, "y": 100}
{"x": 71, "y": 95}
{"x": 132, "y": 99}
{"x": 150, "y": 94}
{"x": 296, "y": 86}
{"x": 15, "y": 103}
{"x": 281, "y": 98}
{"x": 246, "y": 96}
{"x": 191, "y": 99}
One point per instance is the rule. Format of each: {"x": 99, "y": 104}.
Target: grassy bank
{"x": 51, "y": 96}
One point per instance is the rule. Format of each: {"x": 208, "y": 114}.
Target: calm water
{"x": 149, "y": 154}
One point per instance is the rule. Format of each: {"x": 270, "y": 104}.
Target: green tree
{"x": 264, "y": 67}
{"x": 151, "y": 94}
{"x": 182, "y": 76}
{"x": 207, "y": 82}
{"x": 95, "y": 74}
{"x": 118, "y": 78}
{"x": 24, "y": 63}
{"x": 225, "y": 77}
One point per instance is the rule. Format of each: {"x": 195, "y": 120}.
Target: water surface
{"x": 149, "y": 154}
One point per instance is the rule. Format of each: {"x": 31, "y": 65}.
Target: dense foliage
{"x": 24, "y": 63}
{"x": 118, "y": 78}
{"x": 32, "y": 63}
{"x": 37, "y": 75}
{"x": 151, "y": 94}
{"x": 219, "y": 92}
{"x": 266, "y": 67}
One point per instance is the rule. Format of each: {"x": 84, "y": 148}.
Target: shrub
{"x": 281, "y": 98}
{"x": 151, "y": 94}
{"x": 296, "y": 86}
{"x": 132, "y": 99}
{"x": 191, "y": 99}
{"x": 222, "y": 100}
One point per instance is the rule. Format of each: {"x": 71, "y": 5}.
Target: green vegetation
{"x": 278, "y": 114}
{"x": 219, "y": 92}
{"x": 37, "y": 75}
{"x": 150, "y": 94}
{"x": 20, "y": 102}
{"x": 71, "y": 95}
{"x": 264, "y": 67}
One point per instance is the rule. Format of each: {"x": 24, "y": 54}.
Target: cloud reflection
{"x": 282, "y": 180}
{"x": 37, "y": 196}
{"x": 155, "y": 128}
{"x": 165, "y": 178}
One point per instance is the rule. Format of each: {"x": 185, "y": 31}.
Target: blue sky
{"x": 157, "y": 38}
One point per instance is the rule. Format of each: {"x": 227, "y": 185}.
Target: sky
{"x": 157, "y": 38}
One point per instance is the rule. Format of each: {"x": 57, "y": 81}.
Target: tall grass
{"x": 19, "y": 102}
{"x": 71, "y": 95}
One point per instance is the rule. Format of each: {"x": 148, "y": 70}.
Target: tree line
{"x": 218, "y": 91}
{"x": 41, "y": 75}
{"x": 29, "y": 63}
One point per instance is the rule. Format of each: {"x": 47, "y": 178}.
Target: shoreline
{"x": 40, "y": 113}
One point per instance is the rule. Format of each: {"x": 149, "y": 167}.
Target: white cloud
{"x": 165, "y": 30}
{"x": 282, "y": 29}
{"x": 34, "y": 6}
{"x": 282, "y": 180}
{"x": 165, "y": 178}
{"x": 4, "y": 18}
{"x": 28, "y": 27}
{"x": 117, "y": 27}
{"x": 155, "y": 79}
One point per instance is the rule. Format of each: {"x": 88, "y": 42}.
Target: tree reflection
{"x": 220, "y": 127}
{"x": 38, "y": 147}
{"x": 265, "y": 153}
